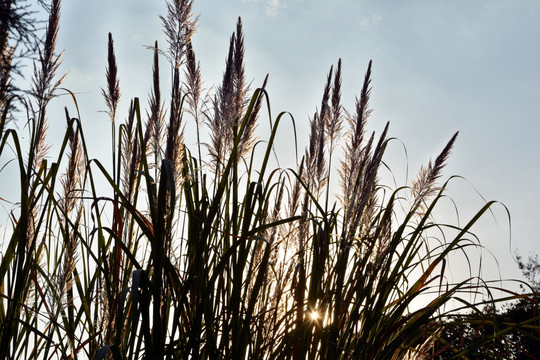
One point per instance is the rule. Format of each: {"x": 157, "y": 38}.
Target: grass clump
{"x": 210, "y": 252}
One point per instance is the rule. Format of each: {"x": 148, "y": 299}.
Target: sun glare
{"x": 314, "y": 315}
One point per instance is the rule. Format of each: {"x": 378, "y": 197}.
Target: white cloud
{"x": 370, "y": 22}
{"x": 274, "y": 6}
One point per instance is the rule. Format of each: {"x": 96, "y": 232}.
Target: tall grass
{"x": 212, "y": 252}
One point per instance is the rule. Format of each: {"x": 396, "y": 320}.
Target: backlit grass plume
{"x": 215, "y": 252}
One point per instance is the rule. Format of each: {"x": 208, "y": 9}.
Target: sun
{"x": 314, "y": 315}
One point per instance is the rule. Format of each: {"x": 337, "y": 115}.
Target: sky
{"x": 438, "y": 67}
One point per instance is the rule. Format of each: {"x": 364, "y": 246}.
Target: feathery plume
{"x": 424, "y": 185}
{"x": 5, "y": 67}
{"x": 315, "y": 159}
{"x": 131, "y": 154}
{"x": 5, "y": 12}
{"x": 174, "y": 128}
{"x": 43, "y": 88}
{"x": 221, "y": 125}
{"x": 355, "y": 152}
{"x": 44, "y": 85}
{"x": 112, "y": 94}
{"x": 334, "y": 124}
{"x": 215, "y": 147}
{"x": 179, "y": 25}
{"x": 240, "y": 88}
{"x": 71, "y": 182}
{"x": 360, "y": 166}
{"x": 6, "y": 58}
{"x": 156, "y": 118}
{"x": 247, "y": 140}
{"x": 362, "y": 108}
{"x": 367, "y": 196}
{"x": 335, "y": 118}
{"x": 112, "y": 97}
{"x": 229, "y": 104}
{"x": 193, "y": 82}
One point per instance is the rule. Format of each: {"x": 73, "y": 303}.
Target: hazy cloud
{"x": 370, "y": 22}
{"x": 273, "y": 7}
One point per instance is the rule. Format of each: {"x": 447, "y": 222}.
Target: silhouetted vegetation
{"x": 508, "y": 333}
{"x": 214, "y": 253}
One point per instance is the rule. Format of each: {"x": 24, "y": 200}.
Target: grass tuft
{"x": 213, "y": 252}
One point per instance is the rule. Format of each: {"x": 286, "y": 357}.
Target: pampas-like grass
{"x": 156, "y": 117}
{"x": 112, "y": 93}
{"x": 179, "y": 25}
{"x": 215, "y": 253}
{"x": 44, "y": 84}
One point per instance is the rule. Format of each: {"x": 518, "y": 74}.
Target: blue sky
{"x": 438, "y": 67}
